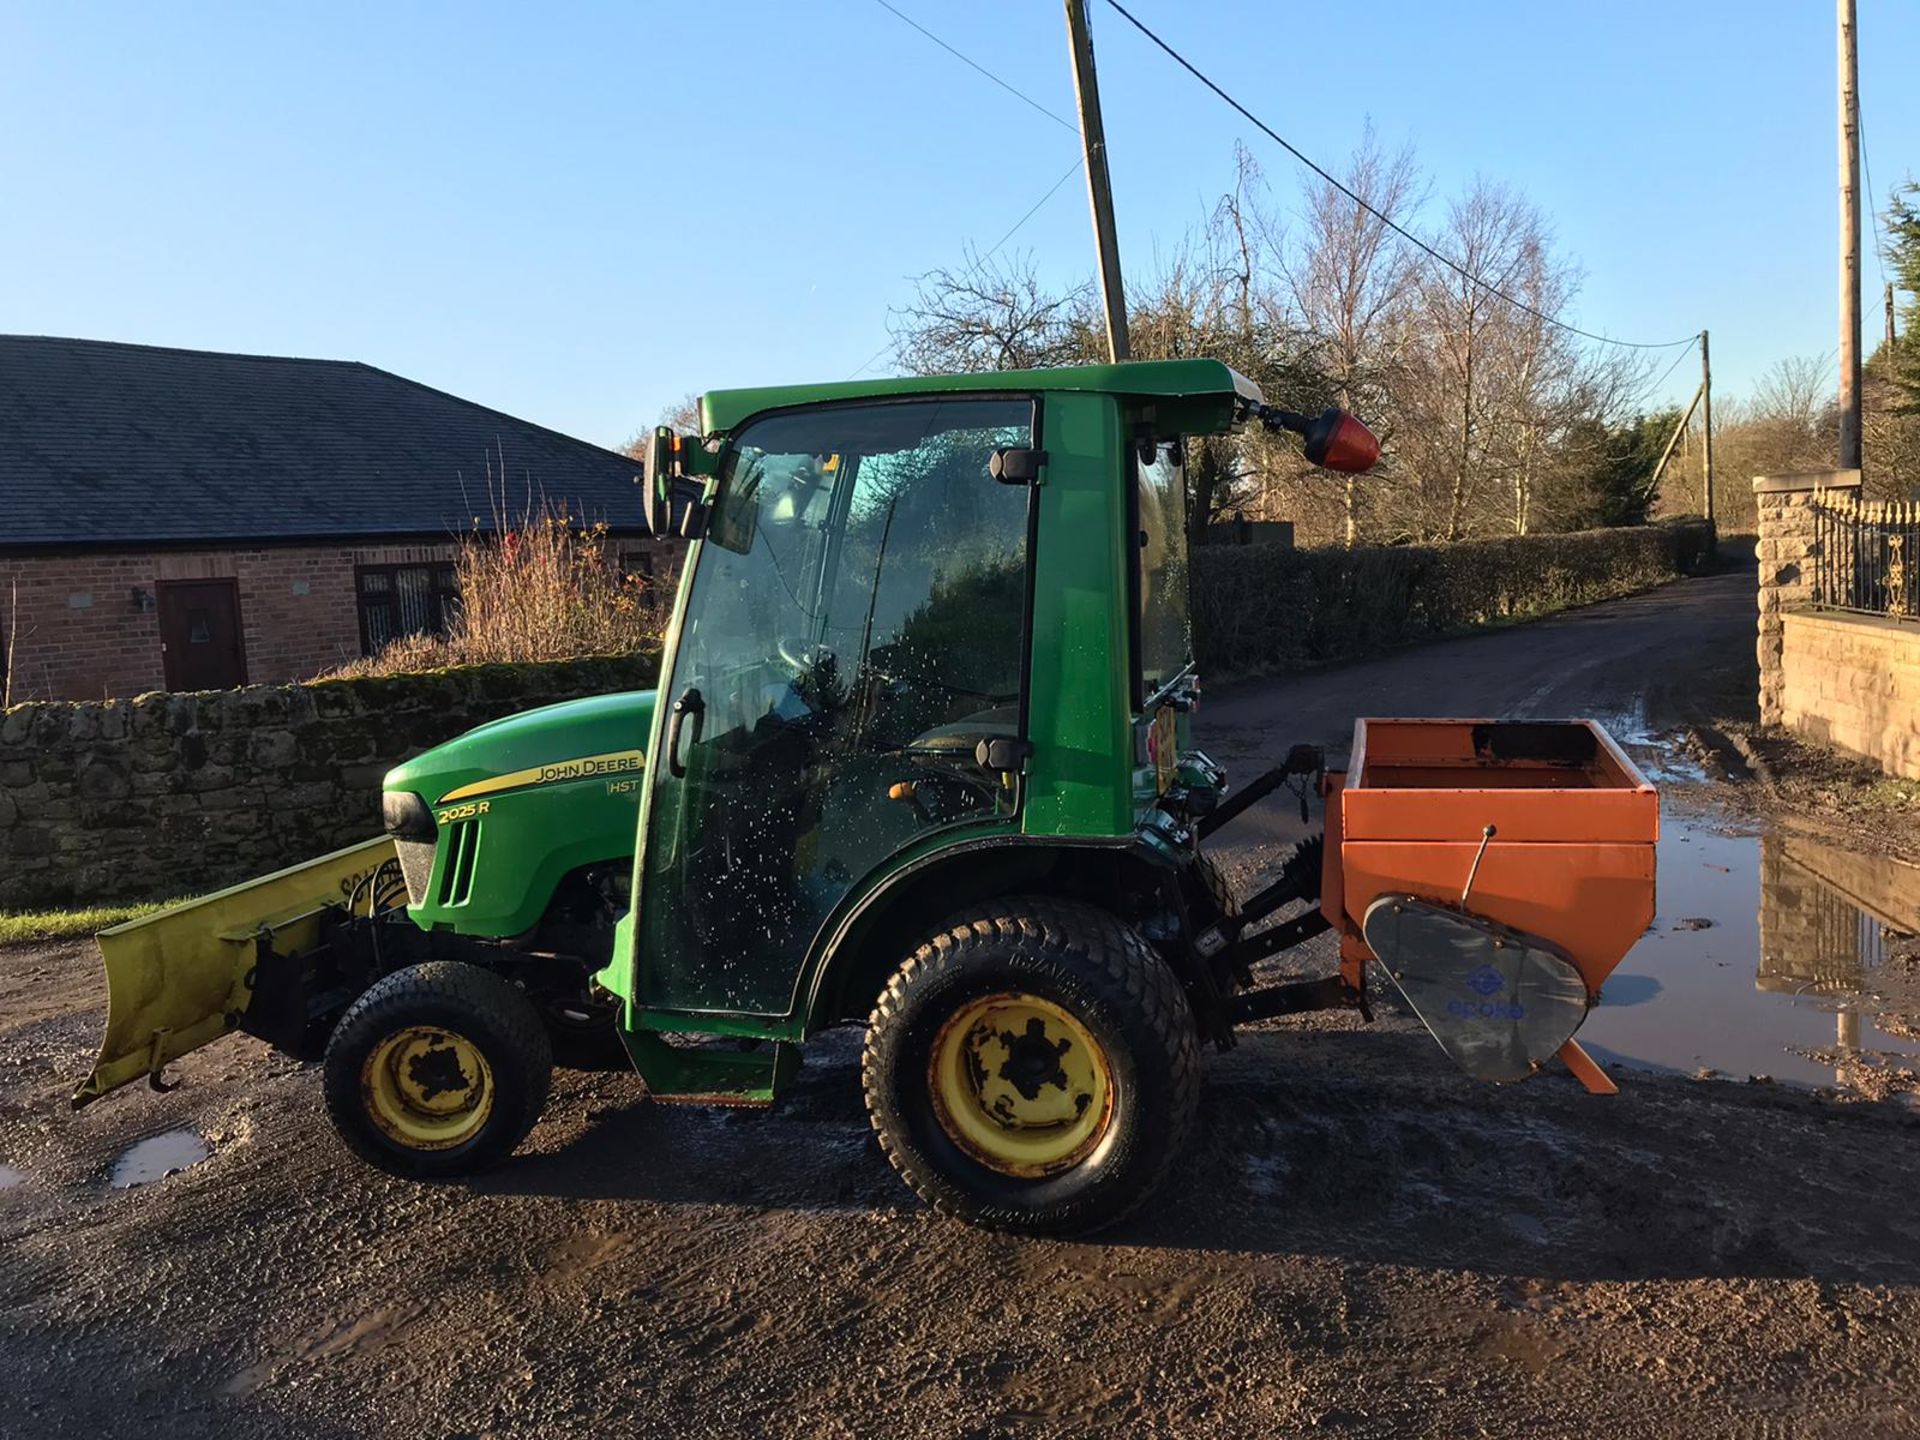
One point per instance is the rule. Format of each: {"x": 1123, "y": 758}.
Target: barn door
{"x": 200, "y": 634}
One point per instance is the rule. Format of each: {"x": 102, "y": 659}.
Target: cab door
{"x": 853, "y": 628}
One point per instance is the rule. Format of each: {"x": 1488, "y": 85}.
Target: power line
{"x": 1019, "y": 95}
{"x": 1052, "y": 190}
{"x": 868, "y": 362}
{"x": 1032, "y": 211}
{"x": 1392, "y": 225}
{"x": 976, "y": 65}
{"x": 1873, "y": 201}
{"x": 1028, "y": 99}
{"x": 1654, "y": 388}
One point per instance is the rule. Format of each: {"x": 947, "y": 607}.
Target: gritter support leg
{"x": 1586, "y": 1070}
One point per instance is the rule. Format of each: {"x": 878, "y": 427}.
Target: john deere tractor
{"x": 920, "y": 762}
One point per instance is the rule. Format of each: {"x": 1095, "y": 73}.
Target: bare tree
{"x": 1351, "y": 281}
{"x": 1786, "y": 424}
{"x": 1493, "y": 418}
{"x": 1542, "y": 383}
{"x": 988, "y": 315}
{"x": 1796, "y": 393}
{"x": 1223, "y": 295}
{"x": 683, "y": 416}
{"x": 1462, "y": 357}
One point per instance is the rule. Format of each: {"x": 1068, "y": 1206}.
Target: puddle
{"x": 1659, "y": 756}
{"x": 157, "y": 1157}
{"x": 10, "y": 1177}
{"x": 1765, "y": 947}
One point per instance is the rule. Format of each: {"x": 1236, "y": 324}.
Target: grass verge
{"x": 24, "y": 925}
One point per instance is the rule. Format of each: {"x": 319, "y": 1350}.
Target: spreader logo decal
{"x": 1486, "y": 980}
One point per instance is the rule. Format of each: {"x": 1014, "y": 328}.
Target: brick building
{"x": 184, "y": 520}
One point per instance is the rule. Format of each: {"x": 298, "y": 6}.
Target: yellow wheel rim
{"x": 1020, "y": 1085}
{"x": 427, "y": 1088}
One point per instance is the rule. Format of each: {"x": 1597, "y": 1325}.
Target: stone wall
{"x": 1853, "y": 682}
{"x": 1840, "y": 679}
{"x": 164, "y": 794}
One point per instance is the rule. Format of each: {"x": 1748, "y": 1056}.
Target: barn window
{"x": 398, "y": 600}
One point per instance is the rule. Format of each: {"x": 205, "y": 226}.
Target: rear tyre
{"x": 437, "y": 1070}
{"x": 1032, "y": 1067}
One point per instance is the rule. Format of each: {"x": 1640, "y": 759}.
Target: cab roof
{"x": 1208, "y": 386}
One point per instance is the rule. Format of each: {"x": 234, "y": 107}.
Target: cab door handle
{"x": 690, "y": 703}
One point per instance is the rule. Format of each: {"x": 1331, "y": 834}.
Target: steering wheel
{"x": 800, "y": 656}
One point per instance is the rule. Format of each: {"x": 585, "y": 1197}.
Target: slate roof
{"x": 104, "y": 444}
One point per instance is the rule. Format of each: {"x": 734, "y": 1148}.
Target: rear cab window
{"x": 1163, "y": 614}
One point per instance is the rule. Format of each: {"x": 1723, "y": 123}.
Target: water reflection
{"x": 1825, "y": 915}
{"x": 1787, "y": 979}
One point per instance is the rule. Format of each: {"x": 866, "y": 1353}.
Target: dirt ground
{"x": 1361, "y": 1241}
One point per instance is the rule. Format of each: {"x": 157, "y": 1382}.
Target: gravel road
{"x": 1360, "y": 1242}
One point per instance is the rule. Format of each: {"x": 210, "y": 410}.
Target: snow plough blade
{"x": 187, "y": 975}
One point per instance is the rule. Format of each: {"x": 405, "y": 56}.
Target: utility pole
{"x": 1849, "y": 240}
{"x": 1679, "y": 434}
{"x": 1093, "y": 137}
{"x": 1890, "y": 334}
{"x": 1706, "y": 416}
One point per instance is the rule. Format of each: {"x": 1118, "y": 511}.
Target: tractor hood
{"x": 600, "y": 738}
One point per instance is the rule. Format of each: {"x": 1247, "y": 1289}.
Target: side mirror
{"x": 1336, "y": 440}
{"x": 671, "y": 476}
{"x": 660, "y": 462}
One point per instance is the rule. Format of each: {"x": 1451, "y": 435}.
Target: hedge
{"x": 1258, "y": 609}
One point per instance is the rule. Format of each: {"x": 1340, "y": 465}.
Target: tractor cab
{"x": 927, "y": 629}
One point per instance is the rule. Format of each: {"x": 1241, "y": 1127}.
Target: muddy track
{"x": 1360, "y": 1241}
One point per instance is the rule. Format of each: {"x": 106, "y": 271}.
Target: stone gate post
{"x": 1785, "y": 552}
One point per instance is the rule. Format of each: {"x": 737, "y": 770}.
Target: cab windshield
{"x": 872, "y": 565}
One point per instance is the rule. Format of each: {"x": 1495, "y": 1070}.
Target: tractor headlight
{"x": 410, "y": 823}
{"x": 406, "y": 815}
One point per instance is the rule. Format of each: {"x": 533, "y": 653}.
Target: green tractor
{"x": 920, "y": 761}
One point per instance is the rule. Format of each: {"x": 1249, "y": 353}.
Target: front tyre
{"x": 437, "y": 1070}
{"x": 1032, "y": 1067}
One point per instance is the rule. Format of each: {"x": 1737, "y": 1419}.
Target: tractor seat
{"x": 963, "y": 737}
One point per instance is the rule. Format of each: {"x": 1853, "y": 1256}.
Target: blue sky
{"x": 580, "y": 212}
